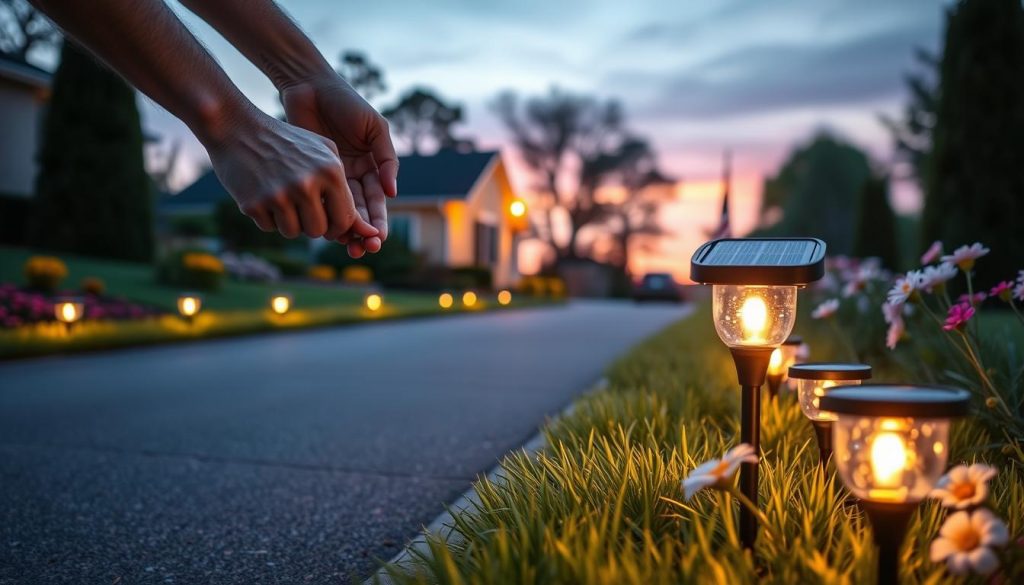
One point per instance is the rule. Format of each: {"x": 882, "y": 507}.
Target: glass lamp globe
{"x": 753, "y": 315}
{"x": 189, "y": 304}
{"x": 68, "y": 310}
{"x": 281, "y": 303}
{"x": 814, "y": 380}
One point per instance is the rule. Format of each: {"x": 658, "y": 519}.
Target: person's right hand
{"x": 285, "y": 178}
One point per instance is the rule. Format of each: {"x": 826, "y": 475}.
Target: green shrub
{"x": 287, "y": 264}
{"x": 193, "y": 269}
{"x": 472, "y": 277}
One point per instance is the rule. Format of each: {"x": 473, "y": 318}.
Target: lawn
{"x": 602, "y": 503}
{"x": 238, "y": 308}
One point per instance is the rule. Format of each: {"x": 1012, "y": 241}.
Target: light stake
{"x": 891, "y": 446}
{"x": 68, "y": 310}
{"x": 813, "y": 381}
{"x": 189, "y": 305}
{"x": 373, "y": 302}
{"x": 281, "y": 303}
{"x": 754, "y": 307}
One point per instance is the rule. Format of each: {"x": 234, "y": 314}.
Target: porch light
{"x": 189, "y": 305}
{"x": 813, "y": 381}
{"x": 373, "y": 302}
{"x": 446, "y": 300}
{"x": 68, "y": 310}
{"x": 754, "y": 308}
{"x": 504, "y": 297}
{"x": 891, "y": 446}
{"x": 469, "y": 298}
{"x": 281, "y": 303}
{"x": 517, "y": 208}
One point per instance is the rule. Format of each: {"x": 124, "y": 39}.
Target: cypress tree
{"x": 93, "y": 195}
{"x": 975, "y": 176}
{"x": 876, "y": 224}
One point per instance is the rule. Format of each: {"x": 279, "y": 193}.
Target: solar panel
{"x": 780, "y": 261}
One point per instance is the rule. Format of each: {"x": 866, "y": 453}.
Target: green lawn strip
{"x": 602, "y": 502}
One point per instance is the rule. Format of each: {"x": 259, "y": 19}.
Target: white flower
{"x": 935, "y": 276}
{"x": 965, "y": 539}
{"x": 964, "y": 256}
{"x": 932, "y": 253}
{"x": 718, "y": 472}
{"x": 905, "y": 286}
{"x": 1020, "y": 277}
{"x": 826, "y": 309}
{"x": 1018, "y": 292}
{"x": 964, "y": 487}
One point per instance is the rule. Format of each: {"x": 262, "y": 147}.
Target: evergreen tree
{"x": 876, "y": 224}
{"x": 975, "y": 179}
{"x": 93, "y": 196}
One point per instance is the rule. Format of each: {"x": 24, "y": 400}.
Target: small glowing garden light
{"x": 469, "y": 299}
{"x": 373, "y": 302}
{"x": 281, "y": 303}
{"x": 813, "y": 381}
{"x": 782, "y": 358}
{"x": 68, "y": 310}
{"x": 446, "y": 300}
{"x": 891, "y": 445}
{"x": 754, "y": 309}
{"x": 504, "y": 297}
{"x": 189, "y": 305}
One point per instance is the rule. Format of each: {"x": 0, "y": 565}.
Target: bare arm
{"x": 315, "y": 98}
{"x": 277, "y": 173}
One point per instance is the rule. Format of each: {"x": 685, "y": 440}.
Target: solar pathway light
{"x": 68, "y": 310}
{"x": 813, "y": 381}
{"x": 189, "y": 305}
{"x": 754, "y": 307}
{"x": 373, "y": 301}
{"x": 445, "y": 300}
{"x": 891, "y": 445}
{"x": 504, "y": 297}
{"x": 782, "y": 358}
{"x": 281, "y": 303}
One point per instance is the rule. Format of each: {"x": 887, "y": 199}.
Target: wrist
{"x": 217, "y": 119}
{"x": 294, "y": 67}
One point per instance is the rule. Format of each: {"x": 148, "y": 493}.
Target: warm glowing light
{"x": 68, "y": 311}
{"x": 754, "y": 318}
{"x": 888, "y": 459}
{"x": 504, "y": 297}
{"x": 517, "y": 208}
{"x": 469, "y": 298}
{"x": 446, "y": 300}
{"x": 280, "y": 304}
{"x": 374, "y": 301}
{"x": 189, "y": 305}
{"x": 775, "y": 364}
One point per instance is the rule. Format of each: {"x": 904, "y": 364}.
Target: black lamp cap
{"x": 830, "y": 371}
{"x": 759, "y": 261}
{"x": 897, "y": 400}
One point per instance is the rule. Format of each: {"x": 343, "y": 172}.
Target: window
{"x": 400, "y": 228}
{"x": 486, "y": 253}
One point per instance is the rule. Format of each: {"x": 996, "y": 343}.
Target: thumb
{"x": 384, "y": 156}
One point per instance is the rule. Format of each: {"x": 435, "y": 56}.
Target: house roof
{"x": 448, "y": 174}
{"x": 24, "y": 73}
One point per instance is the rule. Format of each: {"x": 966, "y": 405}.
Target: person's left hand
{"x": 330, "y": 107}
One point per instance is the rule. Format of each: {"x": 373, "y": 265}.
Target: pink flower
{"x": 964, "y": 256}
{"x": 892, "y": 311}
{"x": 932, "y": 253}
{"x": 977, "y": 299}
{"x": 897, "y": 328}
{"x": 937, "y": 276}
{"x": 826, "y": 309}
{"x": 905, "y": 287}
{"x": 958, "y": 316}
{"x": 1003, "y": 290}
{"x": 1018, "y": 293}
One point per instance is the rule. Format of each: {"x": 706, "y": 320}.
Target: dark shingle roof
{"x": 446, "y": 174}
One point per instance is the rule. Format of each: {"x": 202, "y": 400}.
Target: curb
{"x": 444, "y": 522}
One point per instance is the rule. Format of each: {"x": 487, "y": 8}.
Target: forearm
{"x": 146, "y": 43}
{"x": 266, "y": 36}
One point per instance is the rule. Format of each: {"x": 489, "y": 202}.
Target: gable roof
{"x": 447, "y": 174}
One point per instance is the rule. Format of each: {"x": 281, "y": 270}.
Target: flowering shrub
{"x": 45, "y": 273}
{"x": 202, "y": 271}
{"x": 92, "y": 285}
{"x": 20, "y": 307}
{"x": 249, "y": 267}
{"x": 357, "y": 274}
{"x": 323, "y": 273}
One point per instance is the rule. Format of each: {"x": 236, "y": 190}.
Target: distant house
{"x": 453, "y": 208}
{"x": 24, "y": 91}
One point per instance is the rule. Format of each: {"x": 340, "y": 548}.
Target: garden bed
{"x": 603, "y": 502}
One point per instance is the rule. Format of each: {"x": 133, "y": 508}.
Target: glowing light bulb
{"x": 754, "y": 318}
{"x": 68, "y": 312}
{"x": 504, "y": 297}
{"x": 775, "y": 364}
{"x": 445, "y": 300}
{"x": 280, "y": 304}
{"x": 188, "y": 305}
{"x": 888, "y": 459}
{"x": 469, "y": 298}
{"x": 374, "y": 301}
{"x": 517, "y": 208}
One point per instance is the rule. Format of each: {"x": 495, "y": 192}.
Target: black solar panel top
{"x": 778, "y": 261}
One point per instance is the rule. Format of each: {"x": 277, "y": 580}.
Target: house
{"x": 457, "y": 209}
{"x": 24, "y": 91}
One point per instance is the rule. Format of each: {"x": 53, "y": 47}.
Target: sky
{"x": 695, "y": 77}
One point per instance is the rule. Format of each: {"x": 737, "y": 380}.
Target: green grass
{"x": 238, "y": 308}
{"x": 602, "y": 503}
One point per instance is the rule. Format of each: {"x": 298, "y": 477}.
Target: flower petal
{"x": 940, "y": 549}
{"x": 983, "y": 560}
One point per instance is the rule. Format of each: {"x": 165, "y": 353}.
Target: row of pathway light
{"x": 890, "y": 442}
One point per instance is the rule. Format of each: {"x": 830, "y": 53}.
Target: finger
{"x": 341, "y": 211}
{"x": 356, "y": 249}
{"x": 384, "y": 155}
{"x": 372, "y": 245}
{"x": 359, "y": 199}
{"x": 311, "y": 214}
{"x": 287, "y": 220}
{"x": 262, "y": 219}
{"x": 376, "y": 204}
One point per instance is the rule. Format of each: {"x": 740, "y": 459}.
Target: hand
{"x": 327, "y": 105}
{"x": 285, "y": 178}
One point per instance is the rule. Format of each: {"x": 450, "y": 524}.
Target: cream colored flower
{"x": 964, "y": 487}
{"x": 964, "y": 256}
{"x": 965, "y": 542}
{"x": 718, "y": 472}
{"x": 905, "y": 287}
{"x": 937, "y": 276}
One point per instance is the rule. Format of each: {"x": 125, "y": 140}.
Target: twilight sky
{"x": 696, "y": 77}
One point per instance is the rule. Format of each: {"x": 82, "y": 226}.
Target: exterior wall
{"x": 20, "y": 111}
{"x": 427, "y": 231}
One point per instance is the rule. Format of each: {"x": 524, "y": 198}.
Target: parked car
{"x": 658, "y": 286}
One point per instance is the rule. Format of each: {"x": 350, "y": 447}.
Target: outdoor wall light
{"x": 782, "y": 358}
{"x": 469, "y": 298}
{"x": 373, "y": 302}
{"x": 446, "y": 300}
{"x": 68, "y": 310}
{"x": 281, "y": 303}
{"x": 813, "y": 381}
{"x": 504, "y": 297}
{"x": 891, "y": 446}
{"x": 754, "y": 307}
{"x": 517, "y": 208}
{"x": 189, "y": 305}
